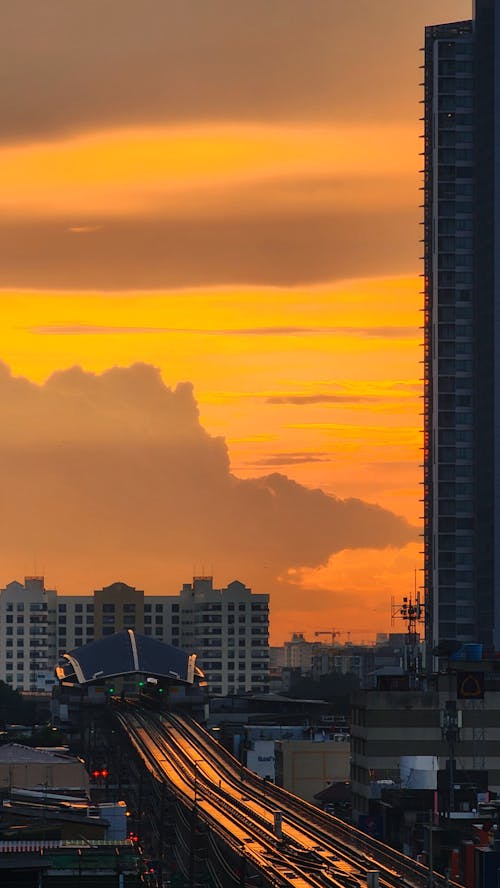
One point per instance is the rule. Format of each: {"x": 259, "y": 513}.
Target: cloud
{"x": 114, "y": 475}
{"x": 113, "y": 330}
{"x": 291, "y": 459}
{"x": 84, "y": 229}
{"x": 151, "y": 253}
{"x": 321, "y": 399}
{"x": 73, "y": 66}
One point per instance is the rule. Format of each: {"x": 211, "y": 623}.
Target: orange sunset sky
{"x": 210, "y": 339}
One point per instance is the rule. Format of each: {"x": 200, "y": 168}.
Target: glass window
{"x": 108, "y": 608}
{"x": 78, "y": 608}
{"x": 61, "y": 608}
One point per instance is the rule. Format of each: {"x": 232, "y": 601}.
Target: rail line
{"x": 315, "y": 849}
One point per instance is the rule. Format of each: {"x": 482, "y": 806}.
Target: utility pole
{"x": 450, "y": 724}
{"x": 431, "y": 851}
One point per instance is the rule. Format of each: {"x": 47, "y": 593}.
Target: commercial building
{"x": 392, "y": 722}
{"x": 462, "y": 330}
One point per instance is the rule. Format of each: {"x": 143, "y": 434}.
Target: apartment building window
{"x": 90, "y": 608}
{"x": 129, "y": 608}
{"x": 62, "y": 608}
{"x": 147, "y": 608}
{"x": 78, "y": 608}
{"x": 108, "y": 608}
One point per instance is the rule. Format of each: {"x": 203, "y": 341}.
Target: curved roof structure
{"x": 126, "y": 653}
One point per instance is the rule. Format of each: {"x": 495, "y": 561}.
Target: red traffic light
{"x": 104, "y": 772}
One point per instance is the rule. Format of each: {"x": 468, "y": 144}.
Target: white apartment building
{"x": 228, "y": 629}
{"x": 28, "y": 634}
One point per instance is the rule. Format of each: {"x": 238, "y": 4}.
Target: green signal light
{"x": 141, "y": 684}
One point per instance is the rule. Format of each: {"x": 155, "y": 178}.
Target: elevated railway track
{"x": 256, "y": 830}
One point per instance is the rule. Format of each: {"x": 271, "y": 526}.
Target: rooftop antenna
{"x": 411, "y": 610}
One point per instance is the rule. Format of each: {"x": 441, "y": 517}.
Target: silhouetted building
{"x": 462, "y": 329}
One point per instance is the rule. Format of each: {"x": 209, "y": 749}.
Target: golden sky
{"x": 230, "y": 194}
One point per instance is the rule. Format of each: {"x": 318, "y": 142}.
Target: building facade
{"x": 228, "y": 628}
{"x": 28, "y": 634}
{"x": 462, "y": 330}
{"x": 388, "y": 725}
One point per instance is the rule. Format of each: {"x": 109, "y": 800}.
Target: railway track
{"x": 315, "y": 848}
{"x": 239, "y": 831}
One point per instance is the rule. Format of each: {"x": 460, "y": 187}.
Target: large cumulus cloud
{"x": 113, "y": 475}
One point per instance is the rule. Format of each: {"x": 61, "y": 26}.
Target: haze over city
{"x": 211, "y": 299}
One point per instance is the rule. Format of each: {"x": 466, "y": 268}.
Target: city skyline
{"x": 250, "y": 230}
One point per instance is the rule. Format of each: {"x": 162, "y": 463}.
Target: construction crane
{"x": 331, "y": 632}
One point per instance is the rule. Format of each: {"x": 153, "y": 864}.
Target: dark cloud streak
{"x": 68, "y": 66}
{"x": 154, "y": 253}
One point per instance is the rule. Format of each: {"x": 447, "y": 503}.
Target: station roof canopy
{"x": 127, "y": 653}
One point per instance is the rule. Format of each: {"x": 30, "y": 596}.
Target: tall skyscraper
{"x": 462, "y": 328}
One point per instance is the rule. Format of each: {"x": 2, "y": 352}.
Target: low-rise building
{"x": 394, "y": 721}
